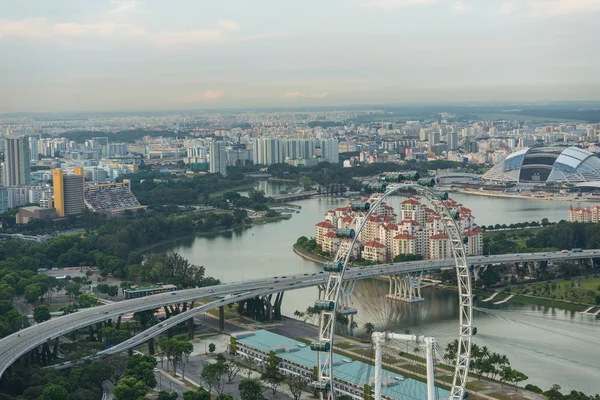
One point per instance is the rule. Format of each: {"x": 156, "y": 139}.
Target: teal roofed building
{"x": 350, "y": 376}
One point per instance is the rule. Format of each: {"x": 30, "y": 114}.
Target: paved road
{"x": 19, "y": 343}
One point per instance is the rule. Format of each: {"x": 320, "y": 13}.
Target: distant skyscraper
{"x": 218, "y": 158}
{"x": 33, "y": 147}
{"x": 330, "y": 151}
{"x": 434, "y": 138}
{"x": 16, "y": 171}
{"x": 452, "y": 141}
{"x": 68, "y": 192}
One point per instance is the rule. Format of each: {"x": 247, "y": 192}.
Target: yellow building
{"x": 68, "y": 193}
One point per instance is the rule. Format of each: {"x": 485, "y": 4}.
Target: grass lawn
{"x": 345, "y": 345}
{"x": 505, "y": 396}
{"x": 549, "y": 303}
{"x": 579, "y": 290}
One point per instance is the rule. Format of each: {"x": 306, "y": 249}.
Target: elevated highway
{"x": 19, "y": 343}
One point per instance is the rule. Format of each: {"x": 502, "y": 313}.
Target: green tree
{"x": 141, "y": 368}
{"x": 177, "y": 351}
{"x": 212, "y": 375}
{"x": 41, "y": 314}
{"x": 211, "y": 348}
{"x": 297, "y": 385}
{"x": 490, "y": 277}
{"x": 129, "y": 388}
{"x": 72, "y": 290}
{"x": 369, "y": 328}
{"x": 200, "y": 394}
{"x": 250, "y": 390}
{"x": 113, "y": 291}
{"x": 33, "y": 292}
{"x": 55, "y": 392}
{"x": 163, "y": 395}
{"x": 271, "y": 377}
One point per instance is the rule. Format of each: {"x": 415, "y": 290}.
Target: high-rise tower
{"x": 16, "y": 171}
{"x": 218, "y": 158}
{"x": 68, "y": 192}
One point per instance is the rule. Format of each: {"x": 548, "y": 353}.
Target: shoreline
{"x": 310, "y": 257}
{"x": 523, "y": 197}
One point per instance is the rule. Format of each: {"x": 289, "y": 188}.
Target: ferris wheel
{"x": 334, "y": 297}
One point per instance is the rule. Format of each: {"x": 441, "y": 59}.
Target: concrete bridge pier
{"x": 221, "y": 319}
{"x": 406, "y": 287}
{"x": 273, "y": 309}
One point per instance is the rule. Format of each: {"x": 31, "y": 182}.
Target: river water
{"x": 547, "y": 344}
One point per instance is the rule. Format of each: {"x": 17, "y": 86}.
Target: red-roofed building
{"x": 322, "y": 229}
{"x": 374, "y": 251}
{"x": 404, "y": 243}
{"x": 331, "y": 243}
{"x": 583, "y": 214}
{"x": 439, "y": 246}
{"x": 474, "y": 245}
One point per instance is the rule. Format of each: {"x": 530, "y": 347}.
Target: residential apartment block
{"x": 418, "y": 230}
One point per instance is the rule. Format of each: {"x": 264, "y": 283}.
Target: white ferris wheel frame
{"x": 333, "y": 292}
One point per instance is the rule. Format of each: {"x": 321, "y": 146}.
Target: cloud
{"x": 460, "y": 7}
{"x": 549, "y": 8}
{"x": 228, "y": 25}
{"x": 389, "y": 4}
{"x": 125, "y": 7}
{"x": 299, "y": 95}
{"x": 507, "y": 8}
{"x": 41, "y": 28}
{"x": 207, "y": 95}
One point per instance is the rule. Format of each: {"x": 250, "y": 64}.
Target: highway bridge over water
{"x": 18, "y": 344}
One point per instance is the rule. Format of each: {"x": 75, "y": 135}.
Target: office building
{"x": 68, "y": 192}
{"x": 434, "y": 138}
{"x": 218, "y": 158}
{"x": 452, "y": 141}
{"x": 330, "y": 151}
{"x": 3, "y": 199}
{"x": 16, "y": 170}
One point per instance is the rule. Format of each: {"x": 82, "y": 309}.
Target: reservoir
{"x": 549, "y": 345}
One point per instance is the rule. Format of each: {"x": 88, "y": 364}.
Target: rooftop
{"x": 354, "y": 372}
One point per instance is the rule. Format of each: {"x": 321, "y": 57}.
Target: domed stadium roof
{"x": 547, "y": 164}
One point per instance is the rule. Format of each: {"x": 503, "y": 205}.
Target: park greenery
{"x": 486, "y": 363}
{"x": 80, "y": 382}
{"x": 578, "y": 290}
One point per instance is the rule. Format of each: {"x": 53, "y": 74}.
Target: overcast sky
{"x": 69, "y": 55}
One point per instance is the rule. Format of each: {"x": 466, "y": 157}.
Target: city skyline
{"x": 147, "y": 55}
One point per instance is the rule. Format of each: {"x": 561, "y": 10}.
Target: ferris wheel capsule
{"x": 360, "y": 206}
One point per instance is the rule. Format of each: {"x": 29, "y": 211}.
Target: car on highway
{"x": 211, "y": 291}
{"x": 156, "y": 370}
{"x": 145, "y": 298}
{"x": 160, "y": 325}
{"x": 173, "y": 293}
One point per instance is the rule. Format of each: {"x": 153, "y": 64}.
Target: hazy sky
{"x": 68, "y": 55}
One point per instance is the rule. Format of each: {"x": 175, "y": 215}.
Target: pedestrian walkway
{"x": 491, "y": 297}
{"x": 505, "y": 300}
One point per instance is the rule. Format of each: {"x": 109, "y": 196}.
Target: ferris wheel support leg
{"x": 378, "y": 340}
{"x": 429, "y": 346}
